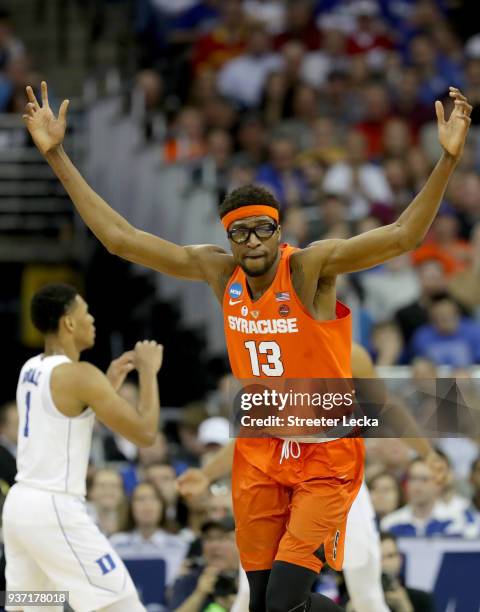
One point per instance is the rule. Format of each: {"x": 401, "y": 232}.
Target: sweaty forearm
{"x": 221, "y": 464}
{"x": 417, "y": 218}
{"x": 107, "y": 225}
{"x": 149, "y": 402}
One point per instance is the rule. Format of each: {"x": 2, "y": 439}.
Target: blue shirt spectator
{"x": 448, "y": 339}
{"x": 424, "y": 515}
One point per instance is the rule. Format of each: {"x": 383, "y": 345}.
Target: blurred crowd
{"x": 330, "y": 105}
{"x": 15, "y": 67}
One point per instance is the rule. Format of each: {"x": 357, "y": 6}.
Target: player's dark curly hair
{"x": 246, "y": 196}
{"x": 49, "y": 304}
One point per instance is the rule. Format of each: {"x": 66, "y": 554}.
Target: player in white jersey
{"x": 362, "y": 562}
{"x": 51, "y": 543}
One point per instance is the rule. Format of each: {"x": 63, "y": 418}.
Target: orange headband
{"x": 254, "y": 210}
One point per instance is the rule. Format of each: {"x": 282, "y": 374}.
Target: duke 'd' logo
{"x": 235, "y": 291}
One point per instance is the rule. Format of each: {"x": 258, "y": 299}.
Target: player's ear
{"x": 68, "y": 322}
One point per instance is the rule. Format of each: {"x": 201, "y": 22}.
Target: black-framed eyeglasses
{"x": 241, "y": 235}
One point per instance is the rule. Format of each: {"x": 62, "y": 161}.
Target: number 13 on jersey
{"x": 274, "y": 365}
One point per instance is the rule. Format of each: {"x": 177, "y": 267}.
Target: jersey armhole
{"x": 49, "y": 405}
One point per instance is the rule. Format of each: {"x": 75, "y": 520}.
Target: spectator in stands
{"x": 368, "y": 37}
{"x": 301, "y": 122}
{"x": 107, "y": 500}
{"x": 387, "y": 344}
{"x": 300, "y": 25}
{"x": 464, "y": 286}
{"x": 143, "y": 532}
{"x": 436, "y": 72}
{"x": 357, "y": 180}
{"x": 242, "y": 79}
{"x": 399, "y": 181}
{"x": 445, "y": 244}
{"x": 422, "y": 516}
{"x": 274, "y": 97}
{"x": 393, "y": 286}
{"x": 8, "y": 442}
{"x": 451, "y": 504}
{"x": 219, "y": 114}
{"x": 386, "y": 494}
{"x": 377, "y": 112}
{"x": 270, "y": 13}
{"x": 339, "y": 100}
{"x": 135, "y": 472}
{"x": 162, "y": 476}
{"x": 219, "y": 504}
{"x": 396, "y": 138}
{"x": 420, "y": 394}
{"x": 252, "y": 139}
{"x": 449, "y": 338}
{"x": 213, "y": 574}
{"x": 419, "y": 166}
{"x": 190, "y": 449}
{"x": 186, "y": 139}
{"x": 319, "y": 64}
{"x": 406, "y": 101}
{"x": 213, "y": 433}
{"x": 332, "y": 219}
{"x": 227, "y": 39}
{"x": 475, "y": 484}
{"x": 280, "y": 175}
{"x": 295, "y": 227}
{"x": 399, "y": 597}
{"x": 432, "y": 281}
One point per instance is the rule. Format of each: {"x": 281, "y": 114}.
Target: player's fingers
{"x": 31, "y": 96}
{"x": 44, "y": 93}
{"x": 31, "y": 108}
{"x": 62, "y": 112}
{"x": 126, "y": 357}
{"x": 456, "y": 93}
{"x": 440, "y": 111}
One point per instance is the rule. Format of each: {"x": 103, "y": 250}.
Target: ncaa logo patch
{"x": 235, "y": 290}
{"x": 244, "y": 311}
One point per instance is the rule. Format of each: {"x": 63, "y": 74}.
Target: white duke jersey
{"x": 53, "y": 449}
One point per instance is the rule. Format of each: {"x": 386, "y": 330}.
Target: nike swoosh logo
{"x": 232, "y": 303}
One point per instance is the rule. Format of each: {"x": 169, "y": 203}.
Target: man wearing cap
{"x": 211, "y": 576}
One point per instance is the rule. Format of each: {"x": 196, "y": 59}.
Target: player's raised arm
{"x": 113, "y": 231}
{"x": 332, "y": 257}
{"x": 91, "y": 387}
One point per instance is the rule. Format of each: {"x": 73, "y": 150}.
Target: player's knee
{"x": 285, "y": 599}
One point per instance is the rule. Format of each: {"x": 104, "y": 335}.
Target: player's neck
{"x": 257, "y": 285}
{"x": 55, "y": 346}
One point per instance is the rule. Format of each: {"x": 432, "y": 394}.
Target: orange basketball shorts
{"x": 286, "y": 511}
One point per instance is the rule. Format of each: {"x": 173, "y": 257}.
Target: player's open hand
{"x": 119, "y": 368}
{"x": 452, "y": 133}
{"x": 148, "y": 355}
{"x": 46, "y": 130}
{"x": 192, "y": 483}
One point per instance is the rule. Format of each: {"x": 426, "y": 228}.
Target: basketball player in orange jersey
{"x": 362, "y": 564}
{"x": 281, "y": 319}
